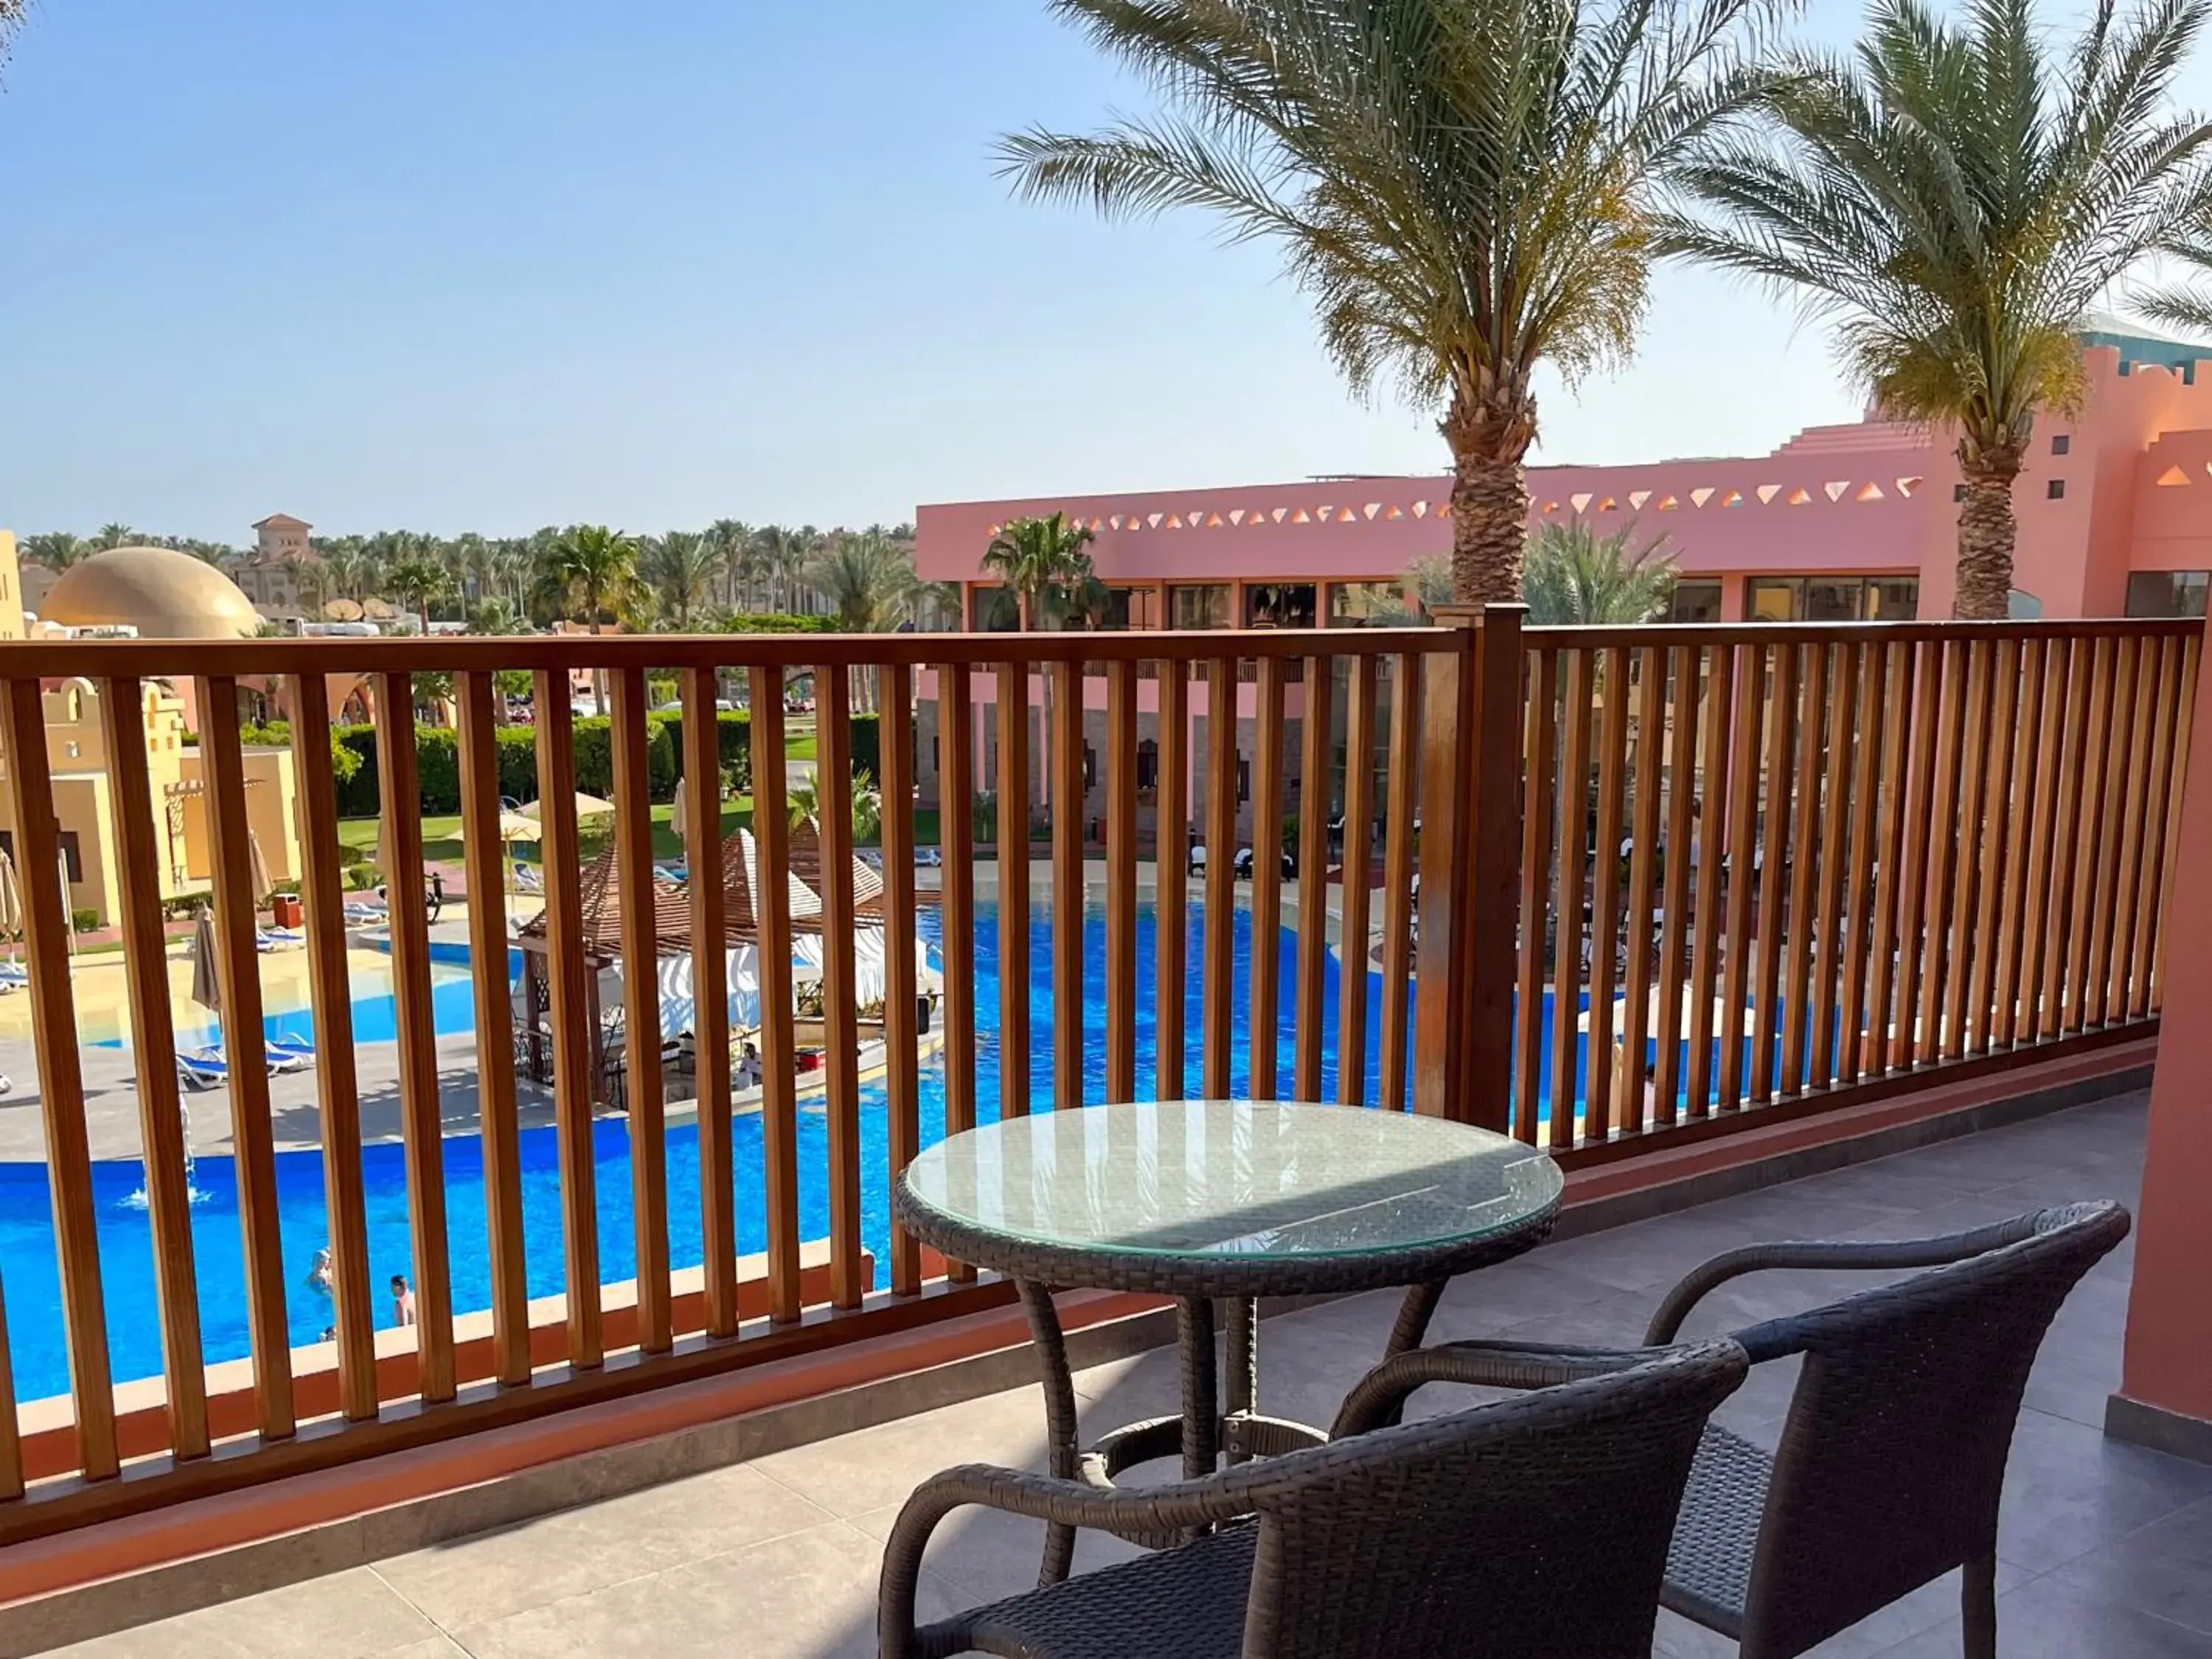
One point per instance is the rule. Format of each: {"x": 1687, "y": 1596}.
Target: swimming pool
{"x": 29, "y": 1277}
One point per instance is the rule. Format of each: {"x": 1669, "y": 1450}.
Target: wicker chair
{"x": 1891, "y": 1459}
{"x": 1535, "y": 1527}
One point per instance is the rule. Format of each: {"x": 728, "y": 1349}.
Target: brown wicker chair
{"x": 1532, "y": 1528}
{"x": 1891, "y": 1459}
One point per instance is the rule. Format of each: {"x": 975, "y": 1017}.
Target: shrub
{"x": 85, "y": 921}
{"x": 778, "y": 622}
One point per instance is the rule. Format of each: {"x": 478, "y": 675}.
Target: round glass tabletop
{"x": 1228, "y": 1196}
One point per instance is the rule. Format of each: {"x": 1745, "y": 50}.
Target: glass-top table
{"x": 1221, "y": 1201}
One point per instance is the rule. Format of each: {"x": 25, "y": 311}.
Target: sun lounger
{"x": 527, "y": 880}
{"x": 266, "y": 939}
{"x": 280, "y": 1061}
{"x": 14, "y": 976}
{"x": 202, "y": 1068}
{"x": 293, "y": 1048}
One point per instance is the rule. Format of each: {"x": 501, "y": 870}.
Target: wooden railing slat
{"x": 1994, "y": 815}
{"x": 1941, "y": 939}
{"x": 779, "y": 1046}
{"x": 1538, "y": 800}
{"x": 1401, "y": 803}
{"x": 1121, "y": 881}
{"x": 153, "y": 1037}
{"x": 1681, "y": 798}
{"x": 1218, "y": 966}
{"x": 575, "y": 1039}
{"x": 2049, "y": 856}
{"x": 2144, "y": 758}
{"x": 2192, "y": 647}
{"x": 902, "y": 975}
{"x": 45, "y": 924}
{"x": 1960, "y": 946}
{"x": 1643, "y": 867}
{"x": 2147, "y": 887}
{"x": 11, "y": 1441}
{"x": 1013, "y": 849}
{"x": 647, "y": 1116}
{"x": 1773, "y": 873}
{"x": 2130, "y": 735}
{"x": 1605, "y": 905}
{"x": 1706, "y": 945}
{"x": 1741, "y": 851}
{"x": 1567, "y": 950}
{"x": 2089, "y": 817}
{"x": 237, "y": 974}
{"x": 955, "y": 738}
{"x": 1913, "y": 900}
{"x": 1844, "y": 735}
{"x": 1314, "y": 800}
{"x": 1805, "y": 818}
{"x": 1170, "y": 909}
{"x": 1067, "y": 830}
{"x": 710, "y": 982}
{"x": 1871, "y": 735}
{"x": 1267, "y": 876}
{"x": 1358, "y": 844}
{"x": 2030, "y": 764}
{"x": 841, "y": 1058}
{"x": 1884, "y": 963}
{"x": 422, "y": 1120}
{"x": 498, "y": 1124}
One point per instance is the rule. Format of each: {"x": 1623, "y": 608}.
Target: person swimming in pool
{"x": 403, "y": 1300}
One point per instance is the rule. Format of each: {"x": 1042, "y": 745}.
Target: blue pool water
{"x": 30, "y": 1281}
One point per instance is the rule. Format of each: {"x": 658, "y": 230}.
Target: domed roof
{"x": 163, "y": 593}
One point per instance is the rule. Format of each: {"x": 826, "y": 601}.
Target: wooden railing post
{"x": 1470, "y": 835}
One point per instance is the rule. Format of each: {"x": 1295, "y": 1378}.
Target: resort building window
{"x": 1367, "y": 605}
{"x": 1694, "y": 602}
{"x": 2055, "y": 490}
{"x": 2167, "y": 592}
{"x": 2061, "y": 443}
{"x": 1834, "y": 599}
{"x": 1281, "y": 605}
{"x": 1202, "y": 606}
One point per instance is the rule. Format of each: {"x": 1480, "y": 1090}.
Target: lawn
{"x": 441, "y": 834}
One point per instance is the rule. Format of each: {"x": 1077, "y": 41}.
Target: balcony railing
{"x": 1759, "y": 870}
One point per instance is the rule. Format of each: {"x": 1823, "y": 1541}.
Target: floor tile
{"x": 2165, "y": 1568}
{"x": 2070, "y": 1490}
{"x": 556, "y": 1556}
{"x": 348, "y": 1615}
{"x": 811, "y": 1595}
{"x": 2050, "y": 1619}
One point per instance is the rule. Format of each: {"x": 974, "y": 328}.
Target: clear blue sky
{"x": 457, "y": 264}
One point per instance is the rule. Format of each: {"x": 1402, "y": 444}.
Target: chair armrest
{"x": 1877, "y": 1254}
{"x": 1377, "y": 1398}
{"x": 1163, "y": 1509}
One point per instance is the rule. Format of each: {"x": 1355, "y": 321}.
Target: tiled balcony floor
{"x": 2106, "y": 1549}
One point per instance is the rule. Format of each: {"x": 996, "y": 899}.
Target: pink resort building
{"x": 1849, "y": 522}
{"x": 1840, "y": 522}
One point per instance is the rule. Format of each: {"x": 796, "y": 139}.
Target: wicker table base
{"x": 1208, "y": 1426}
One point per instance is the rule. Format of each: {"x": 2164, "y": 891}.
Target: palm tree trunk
{"x": 1489, "y": 437}
{"x": 1986, "y": 529}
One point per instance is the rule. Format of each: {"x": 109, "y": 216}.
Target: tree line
{"x": 683, "y": 580}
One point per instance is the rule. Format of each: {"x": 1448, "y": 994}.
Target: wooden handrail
{"x": 1639, "y": 886}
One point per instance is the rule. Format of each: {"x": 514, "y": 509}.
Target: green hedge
{"x": 437, "y": 768}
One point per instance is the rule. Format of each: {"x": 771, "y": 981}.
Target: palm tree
{"x": 591, "y": 574}
{"x": 57, "y": 549}
{"x": 115, "y": 535}
{"x": 1574, "y": 577}
{"x": 731, "y": 543}
{"x": 1462, "y": 185}
{"x": 784, "y": 552}
{"x": 1042, "y": 563}
{"x": 869, "y": 582}
{"x": 11, "y": 18}
{"x": 803, "y": 798}
{"x": 679, "y": 569}
{"x": 311, "y": 580}
{"x": 422, "y": 581}
{"x": 1956, "y": 195}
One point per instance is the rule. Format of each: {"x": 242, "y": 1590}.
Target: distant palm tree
{"x": 803, "y": 799}
{"x": 11, "y": 18}
{"x": 679, "y": 569}
{"x": 1574, "y": 577}
{"x": 113, "y": 535}
{"x": 784, "y": 551}
{"x": 1957, "y": 194}
{"x": 591, "y": 575}
{"x": 868, "y": 581}
{"x": 57, "y": 549}
{"x": 311, "y": 580}
{"x": 422, "y": 582}
{"x": 1462, "y": 185}
{"x": 731, "y": 543}
{"x": 1042, "y": 563}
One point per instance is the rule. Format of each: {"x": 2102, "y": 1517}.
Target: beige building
{"x": 159, "y": 593}
{"x": 267, "y": 577}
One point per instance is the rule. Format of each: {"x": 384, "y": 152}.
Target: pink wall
{"x": 2169, "y": 1346}
{"x": 1867, "y": 497}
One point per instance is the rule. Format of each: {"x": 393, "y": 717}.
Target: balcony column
{"x": 2165, "y": 1391}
